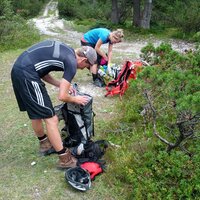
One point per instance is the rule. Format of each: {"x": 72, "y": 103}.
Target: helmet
{"x": 78, "y": 178}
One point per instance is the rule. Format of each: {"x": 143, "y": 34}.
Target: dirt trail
{"x": 50, "y": 25}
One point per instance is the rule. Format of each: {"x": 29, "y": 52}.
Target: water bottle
{"x": 109, "y": 70}
{"x": 105, "y": 67}
{"x": 101, "y": 72}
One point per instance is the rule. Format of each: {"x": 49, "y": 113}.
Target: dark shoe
{"x": 66, "y": 160}
{"x": 46, "y": 148}
{"x": 99, "y": 83}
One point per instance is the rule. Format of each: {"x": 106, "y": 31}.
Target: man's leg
{"x": 53, "y": 132}
{"x": 38, "y": 127}
{"x": 46, "y": 147}
{"x": 66, "y": 160}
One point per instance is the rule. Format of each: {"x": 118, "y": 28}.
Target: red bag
{"x": 120, "y": 84}
{"x": 94, "y": 168}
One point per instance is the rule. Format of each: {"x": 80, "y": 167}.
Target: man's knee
{"x": 52, "y": 120}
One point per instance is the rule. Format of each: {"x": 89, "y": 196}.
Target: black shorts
{"x": 31, "y": 94}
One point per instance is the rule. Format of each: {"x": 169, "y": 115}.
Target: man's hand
{"x": 82, "y": 100}
{"x": 64, "y": 94}
{"x": 72, "y": 91}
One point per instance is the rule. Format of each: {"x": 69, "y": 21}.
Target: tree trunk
{"x": 136, "y": 13}
{"x": 94, "y": 2}
{"x": 115, "y": 12}
{"x": 146, "y": 17}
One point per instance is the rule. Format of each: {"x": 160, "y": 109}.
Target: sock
{"x": 61, "y": 151}
{"x": 94, "y": 76}
{"x": 43, "y": 137}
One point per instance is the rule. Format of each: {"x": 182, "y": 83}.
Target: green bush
{"x": 196, "y": 36}
{"x": 142, "y": 168}
{"x": 83, "y": 9}
{"x": 188, "y": 19}
{"x": 67, "y": 9}
{"x": 14, "y": 30}
{"x": 28, "y": 8}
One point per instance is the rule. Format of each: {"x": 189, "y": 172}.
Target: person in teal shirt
{"x": 95, "y": 38}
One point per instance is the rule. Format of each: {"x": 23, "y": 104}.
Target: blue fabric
{"x": 94, "y": 35}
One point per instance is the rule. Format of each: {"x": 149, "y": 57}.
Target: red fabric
{"x": 93, "y": 168}
{"x": 120, "y": 85}
{"x": 83, "y": 40}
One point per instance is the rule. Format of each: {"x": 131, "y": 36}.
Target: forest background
{"x": 157, "y": 123}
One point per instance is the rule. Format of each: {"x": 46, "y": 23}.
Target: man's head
{"x": 86, "y": 57}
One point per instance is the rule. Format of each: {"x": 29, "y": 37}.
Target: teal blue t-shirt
{"x": 94, "y": 35}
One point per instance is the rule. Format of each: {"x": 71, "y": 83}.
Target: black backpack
{"x": 78, "y": 119}
{"x": 92, "y": 151}
{"x": 79, "y": 129}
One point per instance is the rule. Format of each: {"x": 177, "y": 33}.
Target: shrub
{"x": 28, "y": 8}
{"x": 83, "y": 9}
{"x": 142, "y": 168}
{"x": 14, "y": 30}
{"x": 188, "y": 19}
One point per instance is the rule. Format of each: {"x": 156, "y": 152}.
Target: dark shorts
{"x": 31, "y": 94}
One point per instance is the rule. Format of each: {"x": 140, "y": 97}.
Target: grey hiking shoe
{"x": 98, "y": 82}
{"x": 66, "y": 160}
{"x": 46, "y": 148}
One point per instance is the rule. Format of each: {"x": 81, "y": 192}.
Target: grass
{"x": 136, "y": 169}
{"x": 129, "y": 167}
{"x": 19, "y": 148}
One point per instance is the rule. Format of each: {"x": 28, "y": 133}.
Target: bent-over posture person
{"x": 29, "y": 71}
{"x": 96, "y": 38}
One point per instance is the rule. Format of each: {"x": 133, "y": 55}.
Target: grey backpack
{"x": 79, "y": 121}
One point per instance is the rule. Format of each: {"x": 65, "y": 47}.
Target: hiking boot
{"x": 66, "y": 160}
{"x": 46, "y": 148}
{"x": 97, "y": 82}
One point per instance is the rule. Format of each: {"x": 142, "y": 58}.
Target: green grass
{"x": 19, "y": 148}
{"x": 138, "y": 169}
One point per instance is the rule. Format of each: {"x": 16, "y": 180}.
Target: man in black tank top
{"x": 29, "y": 71}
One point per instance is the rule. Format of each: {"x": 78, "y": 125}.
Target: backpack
{"x": 79, "y": 126}
{"x": 120, "y": 84}
{"x": 92, "y": 151}
{"x": 108, "y": 73}
{"x": 78, "y": 119}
